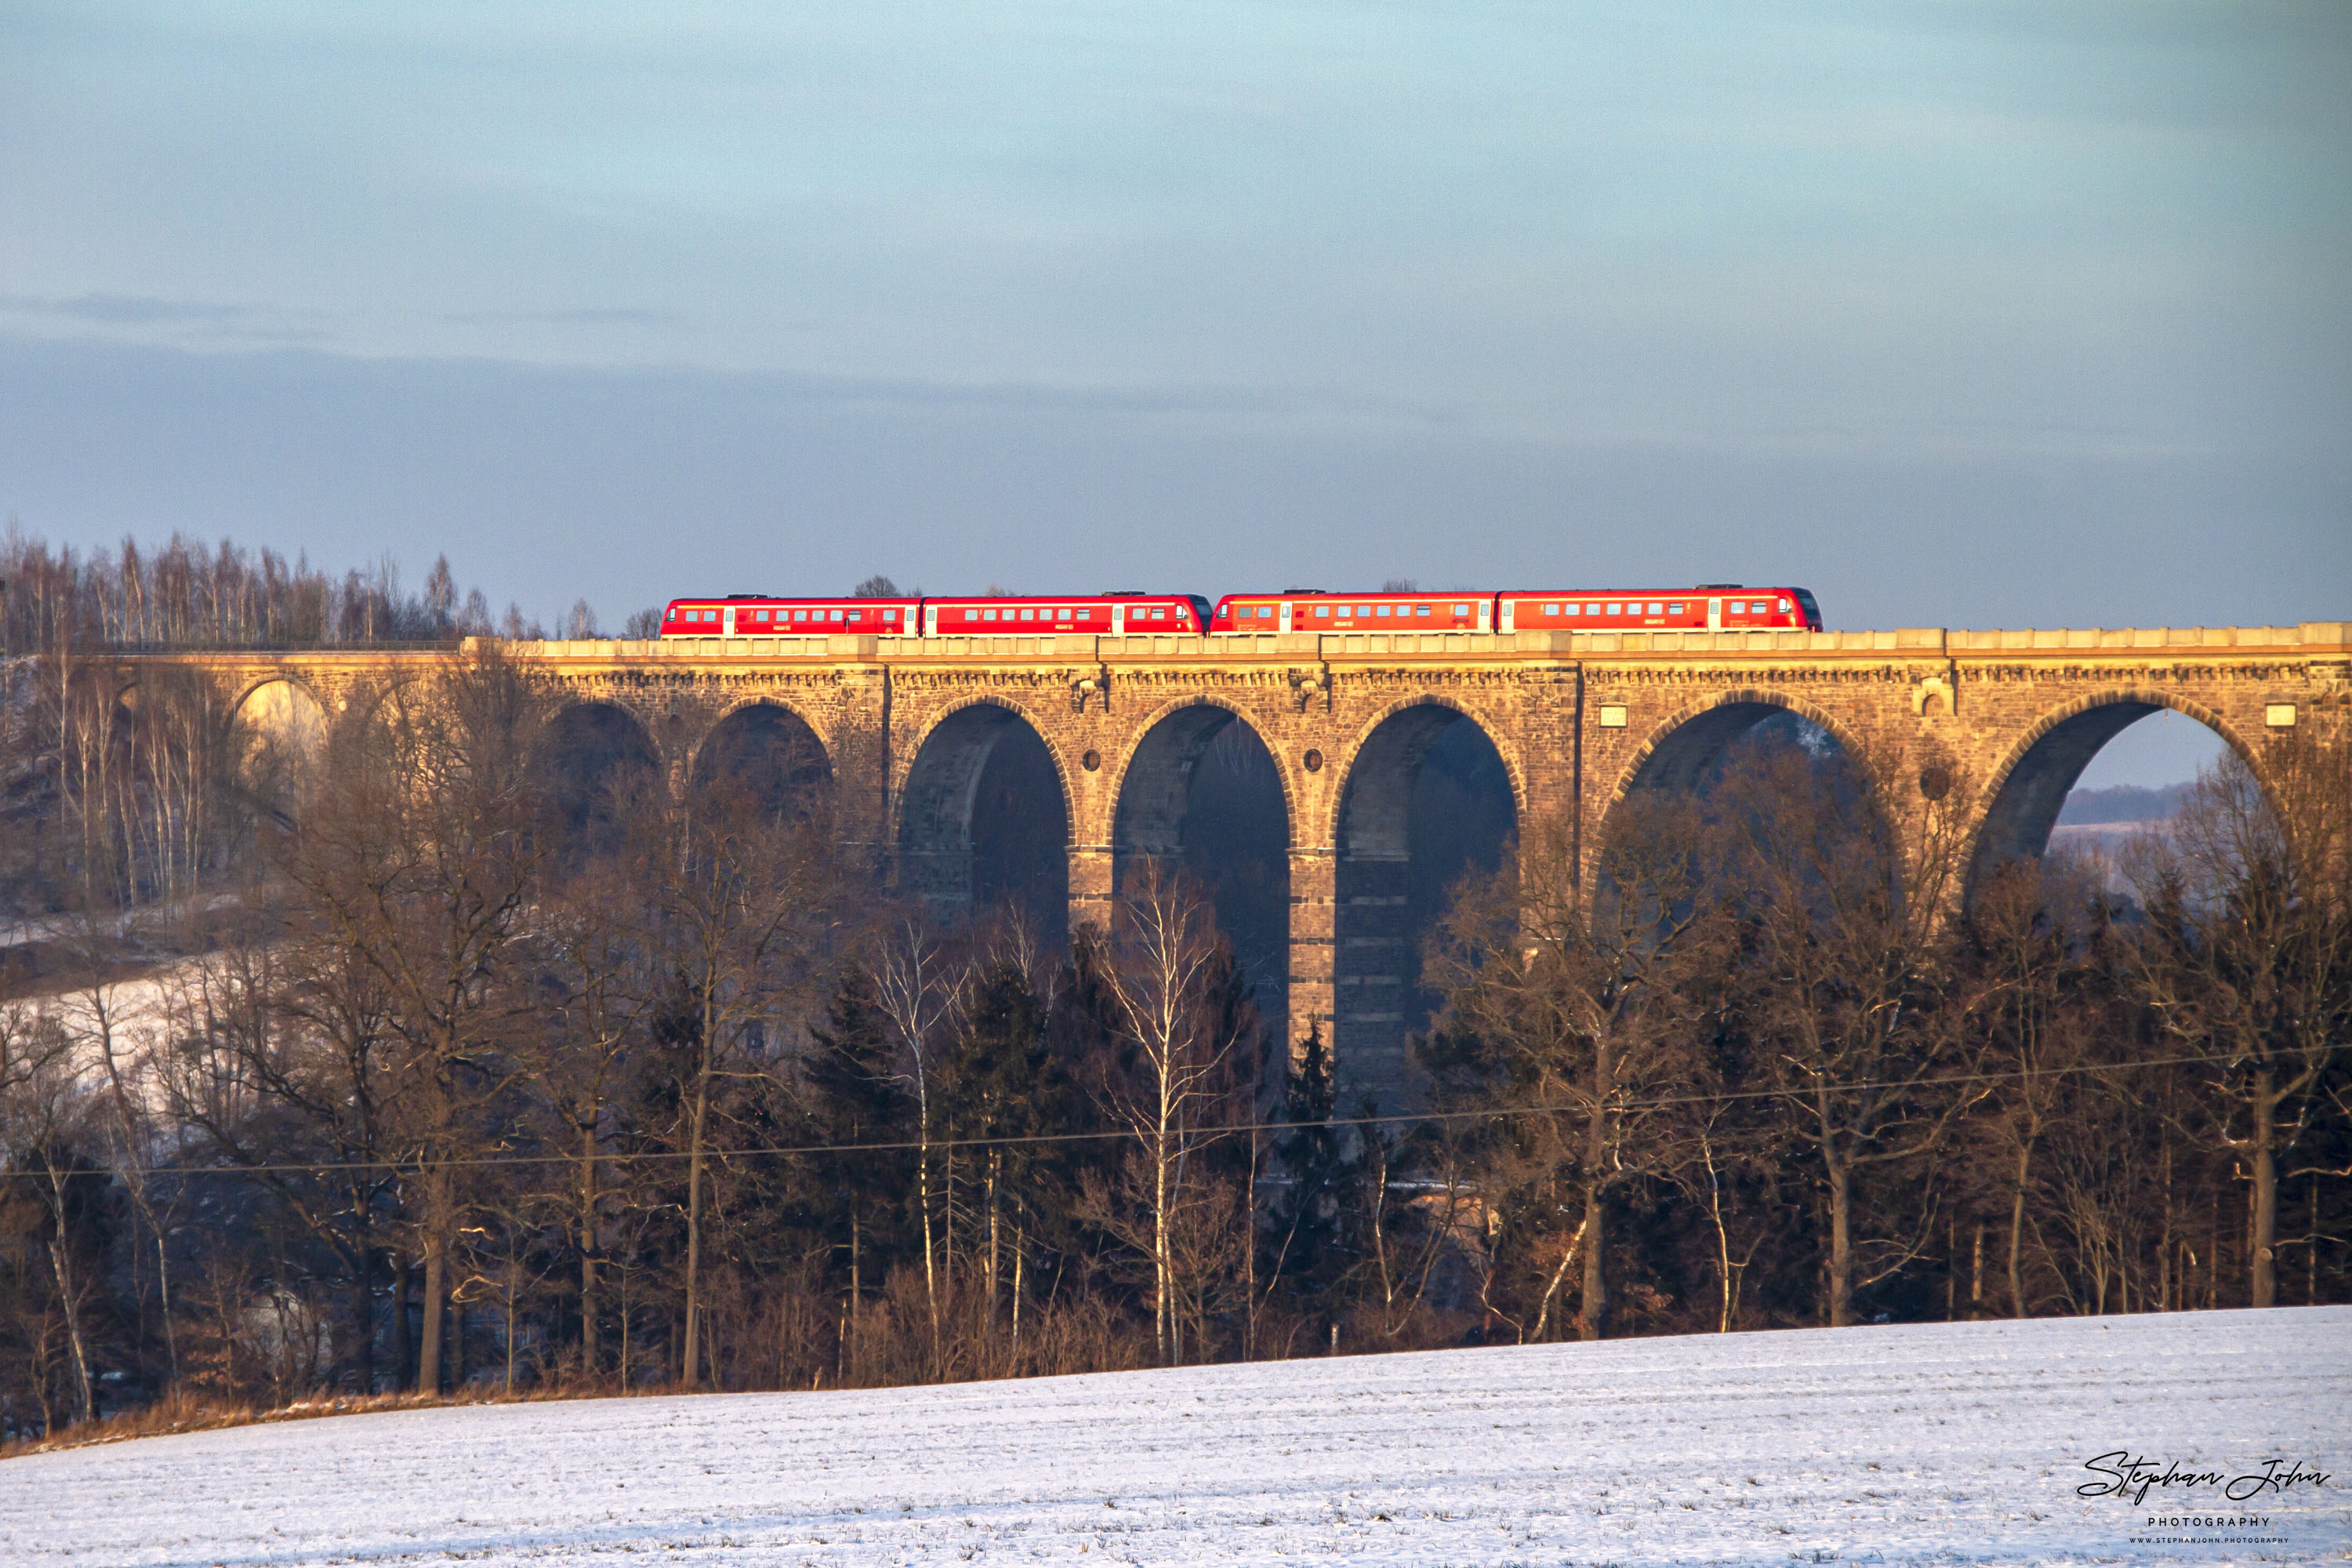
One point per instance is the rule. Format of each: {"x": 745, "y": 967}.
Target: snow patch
{"x": 1958, "y": 1442}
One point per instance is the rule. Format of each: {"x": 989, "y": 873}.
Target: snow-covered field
{"x": 1883, "y": 1444}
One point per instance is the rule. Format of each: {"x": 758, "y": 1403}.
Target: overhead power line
{"x": 1231, "y": 1130}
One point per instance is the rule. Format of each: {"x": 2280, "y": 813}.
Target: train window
{"x": 1384, "y": 612}
{"x": 1616, "y": 609}
{"x": 1783, "y": 605}
{"x": 1322, "y": 611}
{"x": 1548, "y": 609}
{"x": 1266, "y": 612}
{"x": 856, "y": 615}
{"x": 1656, "y": 608}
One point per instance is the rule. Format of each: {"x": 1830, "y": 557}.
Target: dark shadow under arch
{"x": 1689, "y": 757}
{"x": 983, "y": 821}
{"x": 768, "y": 752}
{"x": 1428, "y": 798}
{"x": 1202, "y": 790}
{"x": 594, "y": 757}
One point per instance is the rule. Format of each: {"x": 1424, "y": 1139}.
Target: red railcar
{"x": 1722, "y": 606}
{"x": 762, "y": 616}
{"x": 1108, "y": 614}
{"x": 1312, "y": 610}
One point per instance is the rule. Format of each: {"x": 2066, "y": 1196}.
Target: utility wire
{"x": 1225, "y": 1130}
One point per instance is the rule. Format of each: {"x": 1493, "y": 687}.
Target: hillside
{"x": 1935, "y": 1443}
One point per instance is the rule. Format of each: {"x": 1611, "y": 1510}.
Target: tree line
{"x": 443, "y": 1067}
{"x": 184, "y": 593}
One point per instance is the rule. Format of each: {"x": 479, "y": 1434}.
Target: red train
{"x": 1710, "y": 606}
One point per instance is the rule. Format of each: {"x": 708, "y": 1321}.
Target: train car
{"x": 1311, "y": 609}
{"x": 766, "y": 615}
{"x": 1711, "y": 606}
{"x": 1106, "y": 614}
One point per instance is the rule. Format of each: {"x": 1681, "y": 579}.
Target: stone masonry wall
{"x": 1579, "y": 720}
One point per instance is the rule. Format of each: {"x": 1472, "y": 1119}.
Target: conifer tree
{"x": 1306, "y": 1232}
{"x": 855, "y": 1099}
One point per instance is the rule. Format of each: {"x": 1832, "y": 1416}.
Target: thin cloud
{"x": 238, "y": 323}
{"x": 587, "y": 316}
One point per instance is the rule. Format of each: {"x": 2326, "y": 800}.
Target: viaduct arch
{"x": 912, "y": 733}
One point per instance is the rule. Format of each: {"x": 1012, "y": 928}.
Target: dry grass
{"x": 197, "y": 1413}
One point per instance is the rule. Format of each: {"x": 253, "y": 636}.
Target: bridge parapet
{"x": 1912, "y": 641}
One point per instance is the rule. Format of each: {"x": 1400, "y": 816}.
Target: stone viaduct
{"x": 1117, "y": 727}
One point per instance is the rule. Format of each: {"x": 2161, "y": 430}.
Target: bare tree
{"x": 1843, "y": 879}
{"x": 418, "y": 860}
{"x": 748, "y": 902}
{"x": 1161, "y": 962}
{"x": 1577, "y": 1004}
{"x": 45, "y": 1114}
{"x": 603, "y": 989}
{"x": 912, "y": 988}
{"x": 2250, "y": 962}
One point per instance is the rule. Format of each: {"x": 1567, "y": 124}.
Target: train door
{"x": 727, "y": 621}
{"x": 1119, "y": 620}
{"x": 1485, "y": 613}
{"x": 1284, "y": 621}
{"x": 1510, "y": 607}
{"x": 1715, "y": 615}
{"x": 930, "y": 620}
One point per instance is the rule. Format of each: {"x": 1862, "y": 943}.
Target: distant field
{"x": 2121, "y": 805}
{"x": 1918, "y": 1444}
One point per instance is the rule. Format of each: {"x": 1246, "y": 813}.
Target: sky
{"x": 1960, "y": 314}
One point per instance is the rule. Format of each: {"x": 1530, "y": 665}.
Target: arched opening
{"x": 1428, "y": 799}
{"x": 982, "y": 821}
{"x": 770, "y": 752}
{"x": 282, "y": 733}
{"x": 2091, "y": 780}
{"x": 594, "y": 758}
{"x": 1202, "y": 790}
{"x": 1693, "y": 756}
